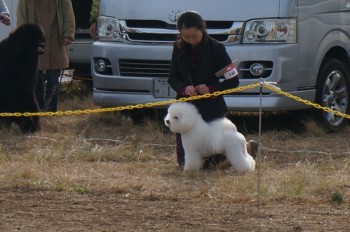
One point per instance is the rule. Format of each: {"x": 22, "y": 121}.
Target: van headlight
{"x": 270, "y": 31}
{"x": 109, "y": 29}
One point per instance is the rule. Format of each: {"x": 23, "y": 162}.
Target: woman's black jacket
{"x": 211, "y": 56}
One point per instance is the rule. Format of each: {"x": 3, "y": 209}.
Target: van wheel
{"x": 332, "y": 92}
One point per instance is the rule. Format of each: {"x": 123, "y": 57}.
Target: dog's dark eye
{"x": 177, "y": 118}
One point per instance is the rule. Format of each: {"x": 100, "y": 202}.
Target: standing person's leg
{"x": 52, "y": 89}
{"x": 39, "y": 90}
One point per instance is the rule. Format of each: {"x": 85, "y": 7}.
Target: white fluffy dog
{"x": 201, "y": 139}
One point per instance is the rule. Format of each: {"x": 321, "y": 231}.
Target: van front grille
{"x": 161, "y": 24}
{"x": 167, "y": 37}
{"x": 156, "y": 31}
{"x": 144, "y": 68}
{"x": 151, "y": 37}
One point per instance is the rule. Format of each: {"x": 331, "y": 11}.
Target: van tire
{"x": 332, "y": 92}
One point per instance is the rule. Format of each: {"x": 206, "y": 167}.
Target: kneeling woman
{"x": 195, "y": 60}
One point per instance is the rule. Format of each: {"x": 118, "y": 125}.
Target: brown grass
{"x": 106, "y": 154}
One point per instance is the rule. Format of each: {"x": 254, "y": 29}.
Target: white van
{"x": 80, "y": 50}
{"x": 302, "y": 45}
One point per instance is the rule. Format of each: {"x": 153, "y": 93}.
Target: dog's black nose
{"x": 167, "y": 122}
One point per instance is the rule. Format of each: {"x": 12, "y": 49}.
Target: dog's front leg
{"x": 193, "y": 161}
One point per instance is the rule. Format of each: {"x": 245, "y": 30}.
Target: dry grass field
{"x": 99, "y": 172}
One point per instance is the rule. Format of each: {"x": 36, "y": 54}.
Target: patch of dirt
{"x": 27, "y": 210}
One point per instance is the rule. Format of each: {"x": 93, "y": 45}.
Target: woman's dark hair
{"x": 190, "y": 19}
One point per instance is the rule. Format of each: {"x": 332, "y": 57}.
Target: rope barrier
{"x": 162, "y": 103}
{"x": 129, "y": 107}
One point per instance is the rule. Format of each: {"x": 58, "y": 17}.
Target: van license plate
{"x": 162, "y": 88}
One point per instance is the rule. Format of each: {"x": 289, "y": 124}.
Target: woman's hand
{"x": 191, "y": 91}
{"x": 93, "y": 30}
{"x": 67, "y": 41}
{"x": 202, "y": 89}
{"x": 5, "y": 19}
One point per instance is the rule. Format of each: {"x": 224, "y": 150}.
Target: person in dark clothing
{"x": 195, "y": 60}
